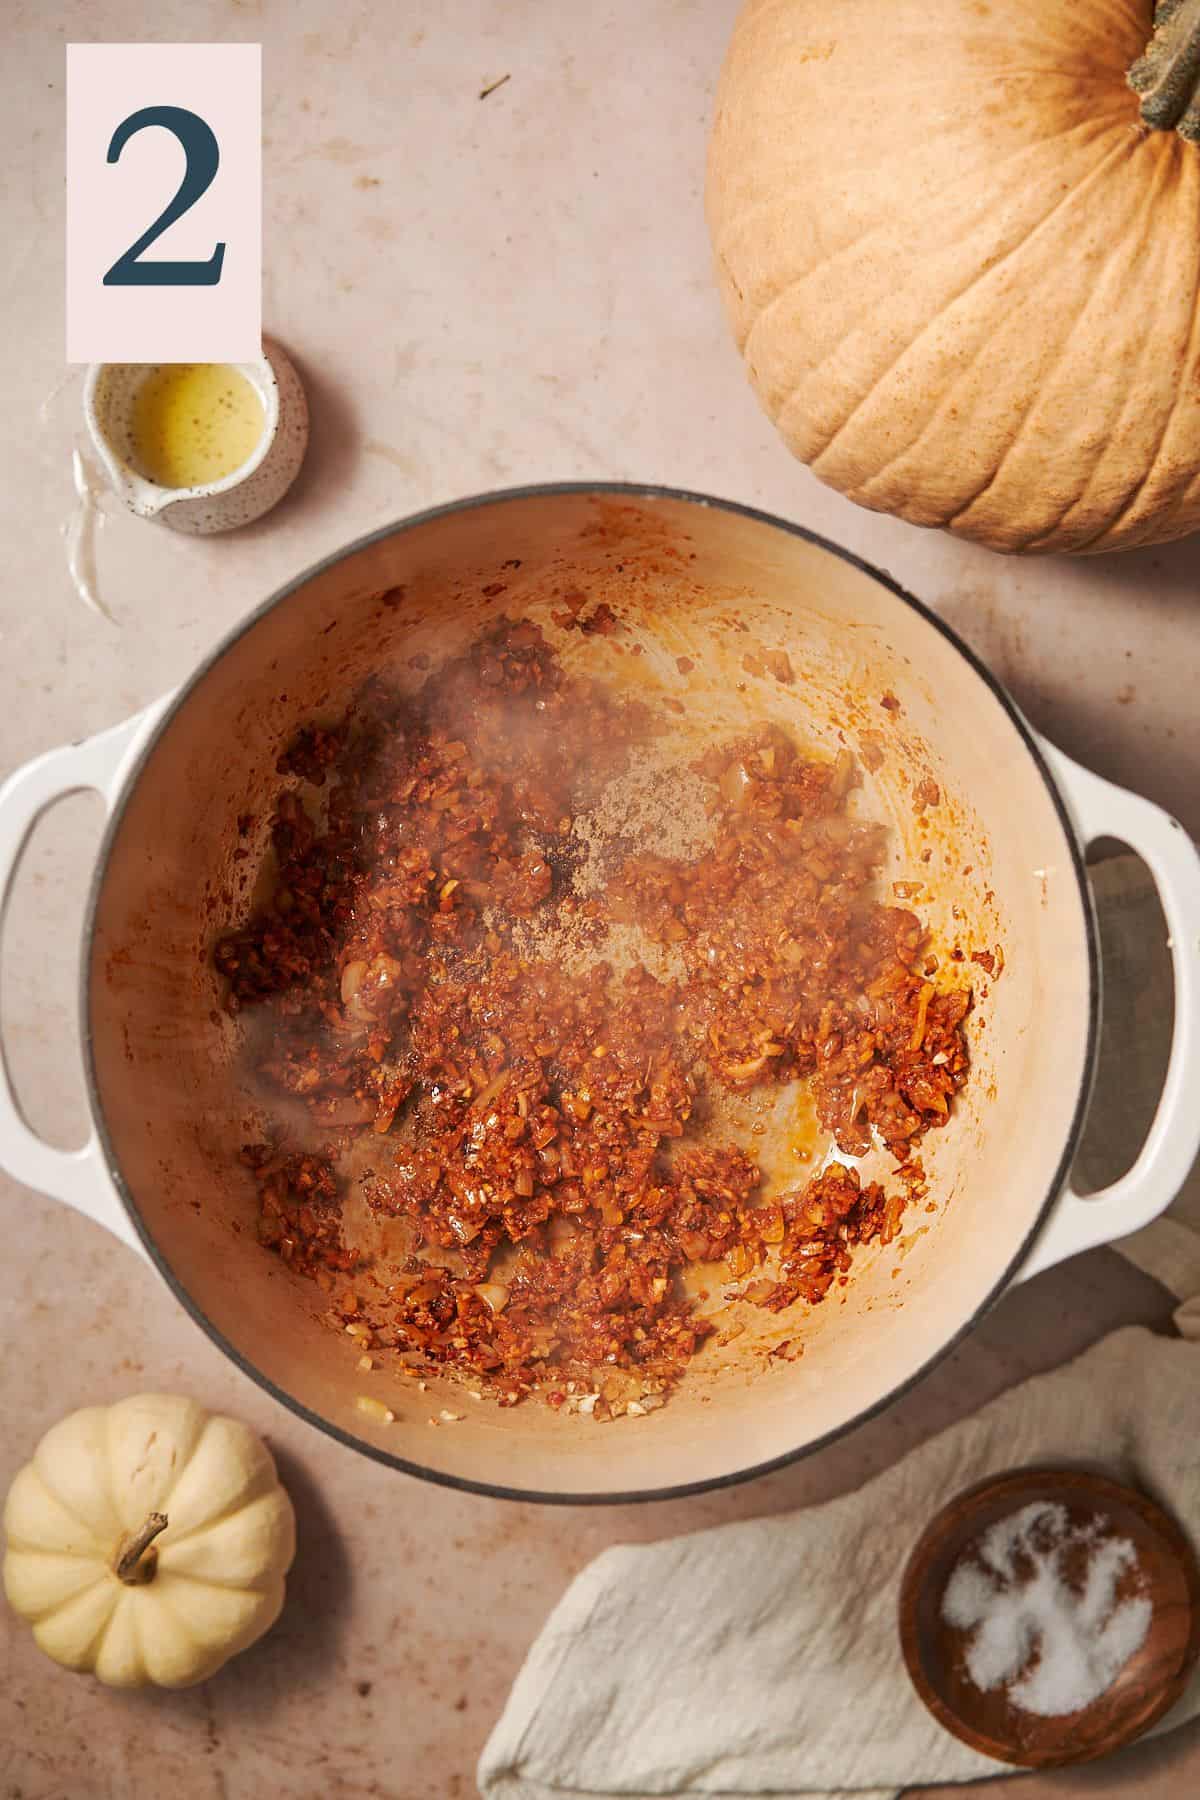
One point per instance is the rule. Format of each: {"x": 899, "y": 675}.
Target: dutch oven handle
{"x": 1079, "y": 1222}
{"x": 79, "y": 1178}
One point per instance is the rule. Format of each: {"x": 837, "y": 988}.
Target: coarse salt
{"x": 1054, "y": 1644}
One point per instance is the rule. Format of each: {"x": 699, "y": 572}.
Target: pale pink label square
{"x": 207, "y": 106}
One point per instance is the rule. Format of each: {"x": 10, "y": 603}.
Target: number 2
{"x": 203, "y": 159}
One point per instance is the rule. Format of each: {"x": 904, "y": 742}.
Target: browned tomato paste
{"x": 518, "y": 1064}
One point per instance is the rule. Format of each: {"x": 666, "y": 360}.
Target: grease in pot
{"x": 523, "y": 952}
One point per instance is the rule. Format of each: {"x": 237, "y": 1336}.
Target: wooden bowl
{"x": 1149, "y": 1684}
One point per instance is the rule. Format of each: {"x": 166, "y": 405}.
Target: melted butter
{"x": 194, "y": 423}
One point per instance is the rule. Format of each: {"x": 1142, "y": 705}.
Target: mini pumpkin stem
{"x": 1167, "y": 75}
{"x": 129, "y": 1565}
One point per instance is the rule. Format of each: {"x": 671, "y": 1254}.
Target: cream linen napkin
{"x": 762, "y": 1658}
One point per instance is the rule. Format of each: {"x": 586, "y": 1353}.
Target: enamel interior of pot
{"x": 689, "y": 581}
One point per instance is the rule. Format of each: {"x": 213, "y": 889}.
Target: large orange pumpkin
{"x": 961, "y": 255}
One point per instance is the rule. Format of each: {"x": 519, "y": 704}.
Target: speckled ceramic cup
{"x": 252, "y": 488}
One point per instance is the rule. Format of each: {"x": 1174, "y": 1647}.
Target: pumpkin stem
{"x": 129, "y": 1565}
{"x": 1167, "y": 75}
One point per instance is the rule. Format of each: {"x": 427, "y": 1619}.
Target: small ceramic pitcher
{"x": 245, "y": 494}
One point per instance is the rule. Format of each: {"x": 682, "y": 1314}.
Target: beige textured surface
{"x": 477, "y": 292}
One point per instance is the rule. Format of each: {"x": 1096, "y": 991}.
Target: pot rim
{"x": 632, "y": 491}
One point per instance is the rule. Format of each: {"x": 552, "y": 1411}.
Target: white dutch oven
{"x": 702, "y": 580}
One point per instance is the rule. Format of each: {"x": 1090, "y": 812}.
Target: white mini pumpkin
{"x": 148, "y": 1541}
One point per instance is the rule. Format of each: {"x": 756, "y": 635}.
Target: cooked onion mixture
{"x": 536, "y": 1126}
